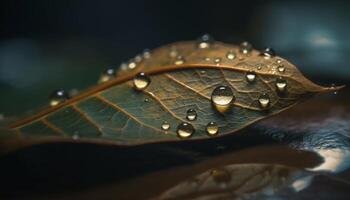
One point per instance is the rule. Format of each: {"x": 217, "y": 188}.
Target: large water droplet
{"x": 141, "y": 81}
{"x": 268, "y": 53}
{"x": 165, "y": 125}
{"x": 205, "y": 41}
{"x": 107, "y": 75}
{"x": 231, "y": 55}
{"x": 264, "y": 101}
{"x": 212, "y": 129}
{"x": 222, "y": 98}
{"x": 245, "y": 47}
{"x": 185, "y": 130}
{"x": 281, "y": 85}
{"x": 191, "y": 114}
{"x": 179, "y": 60}
{"x": 222, "y": 95}
{"x": 57, "y": 97}
{"x": 250, "y": 76}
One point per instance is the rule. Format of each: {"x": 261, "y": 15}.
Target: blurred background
{"x": 46, "y": 45}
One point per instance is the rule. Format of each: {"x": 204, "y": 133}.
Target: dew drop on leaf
{"x": 141, "y": 81}
{"x": 107, "y": 75}
{"x": 132, "y": 64}
{"x": 138, "y": 58}
{"x": 173, "y": 52}
{"x": 57, "y": 97}
{"x": 222, "y": 95}
{"x": 205, "y": 41}
{"x": 250, "y": 76}
{"x": 191, "y": 114}
{"x": 165, "y": 125}
{"x": 179, "y": 60}
{"x": 245, "y": 47}
{"x": 281, "y": 68}
{"x": 264, "y": 101}
{"x": 146, "y": 54}
{"x": 212, "y": 129}
{"x": 222, "y": 98}
{"x": 281, "y": 84}
{"x": 185, "y": 130}
{"x": 217, "y": 61}
{"x": 268, "y": 53}
{"x": 230, "y": 55}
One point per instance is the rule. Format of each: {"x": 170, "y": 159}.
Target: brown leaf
{"x": 176, "y": 97}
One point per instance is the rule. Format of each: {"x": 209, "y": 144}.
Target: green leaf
{"x": 183, "y": 76}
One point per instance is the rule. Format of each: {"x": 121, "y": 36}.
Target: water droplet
{"x": 107, "y": 75}
{"x": 185, "y": 130}
{"x": 123, "y": 66}
{"x": 250, "y": 76}
{"x": 205, "y": 41}
{"x": 268, "y": 53}
{"x": 230, "y": 55}
{"x": 281, "y": 84}
{"x": 217, "y": 61}
{"x": 264, "y": 101}
{"x": 138, "y": 58}
{"x": 245, "y": 47}
{"x": 165, "y": 125}
{"x": 279, "y": 61}
{"x": 179, "y": 60}
{"x": 191, "y": 114}
{"x": 203, "y": 72}
{"x": 173, "y": 52}
{"x": 207, "y": 59}
{"x": 141, "y": 81}
{"x": 146, "y": 100}
{"x": 57, "y": 97}
{"x": 333, "y": 87}
{"x": 222, "y": 97}
{"x": 132, "y": 64}
{"x": 212, "y": 129}
{"x": 281, "y": 68}
{"x": 146, "y": 53}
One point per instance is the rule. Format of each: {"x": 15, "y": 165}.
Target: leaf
{"x": 182, "y": 77}
{"x": 240, "y": 180}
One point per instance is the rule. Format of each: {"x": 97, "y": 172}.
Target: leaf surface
{"x": 182, "y": 77}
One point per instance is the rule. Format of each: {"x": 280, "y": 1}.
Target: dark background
{"x": 45, "y": 45}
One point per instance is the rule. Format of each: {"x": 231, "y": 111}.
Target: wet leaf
{"x": 151, "y": 99}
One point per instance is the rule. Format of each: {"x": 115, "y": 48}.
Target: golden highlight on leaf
{"x": 175, "y": 92}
